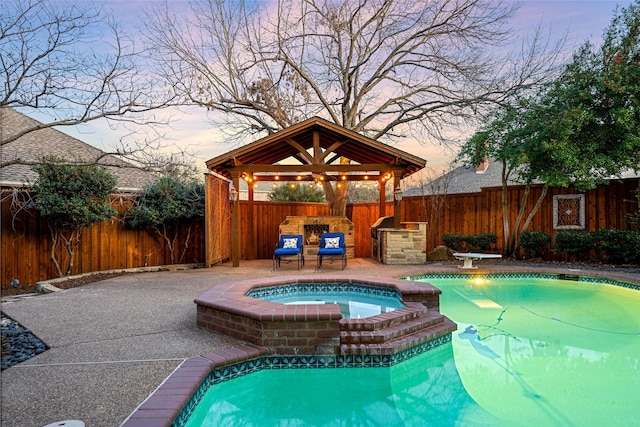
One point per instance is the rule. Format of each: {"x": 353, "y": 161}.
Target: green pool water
{"x": 528, "y": 352}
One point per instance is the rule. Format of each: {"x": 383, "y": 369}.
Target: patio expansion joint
{"x": 102, "y": 362}
{"x": 149, "y": 334}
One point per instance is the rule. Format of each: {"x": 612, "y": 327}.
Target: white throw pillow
{"x": 332, "y": 242}
{"x": 290, "y": 244}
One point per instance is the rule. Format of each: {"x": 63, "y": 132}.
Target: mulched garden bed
{"x": 64, "y": 284}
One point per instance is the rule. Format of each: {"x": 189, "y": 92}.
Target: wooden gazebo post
{"x": 382, "y": 202}
{"x": 251, "y": 237}
{"x": 235, "y": 222}
{"x": 396, "y": 203}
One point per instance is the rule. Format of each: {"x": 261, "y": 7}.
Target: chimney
{"x": 483, "y": 166}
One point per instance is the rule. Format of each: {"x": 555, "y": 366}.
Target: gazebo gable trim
{"x": 231, "y": 159}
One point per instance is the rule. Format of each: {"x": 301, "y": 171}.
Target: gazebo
{"x": 310, "y": 151}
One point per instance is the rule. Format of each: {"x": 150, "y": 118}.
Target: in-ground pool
{"x": 356, "y": 303}
{"x": 529, "y": 351}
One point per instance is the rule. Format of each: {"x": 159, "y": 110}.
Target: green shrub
{"x": 578, "y": 244}
{"x": 618, "y": 246}
{"x": 614, "y": 246}
{"x": 456, "y": 242}
{"x": 482, "y": 242}
{"x": 533, "y": 243}
{"x": 466, "y": 243}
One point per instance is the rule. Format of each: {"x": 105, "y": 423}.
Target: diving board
{"x": 469, "y": 257}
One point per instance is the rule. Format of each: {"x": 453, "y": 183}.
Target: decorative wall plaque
{"x": 568, "y": 212}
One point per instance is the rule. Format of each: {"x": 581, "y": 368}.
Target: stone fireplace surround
{"x": 311, "y": 227}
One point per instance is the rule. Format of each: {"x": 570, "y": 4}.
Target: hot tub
{"x": 354, "y": 301}
{"x": 408, "y": 315}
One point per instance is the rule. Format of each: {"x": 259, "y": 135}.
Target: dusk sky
{"x": 578, "y": 19}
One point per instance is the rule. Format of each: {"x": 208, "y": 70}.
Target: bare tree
{"x": 72, "y": 62}
{"x": 384, "y": 68}
{"x": 434, "y": 188}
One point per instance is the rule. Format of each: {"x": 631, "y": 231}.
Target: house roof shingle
{"x": 462, "y": 179}
{"x": 51, "y": 142}
{"x": 465, "y": 179}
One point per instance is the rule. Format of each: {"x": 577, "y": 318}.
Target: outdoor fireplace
{"x": 312, "y": 233}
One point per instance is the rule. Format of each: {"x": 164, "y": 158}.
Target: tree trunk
{"x": 505, "y": 210}
{"x": 513, "y": 244}
{"x": 536, "y": 207}
{"x": 170, "y": 241}
{"x": 71, "y": 244}
{"x": 337, "y": 196}
{"x": 55, "y": 239}
{"x": 186, "y": 243}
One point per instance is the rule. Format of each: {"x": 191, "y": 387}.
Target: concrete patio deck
{"x": 113, "y": 342}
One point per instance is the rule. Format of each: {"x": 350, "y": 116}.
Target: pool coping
{"x": 173, "y": 402}
{"x": 182, "y": 389}
{"x": 233, "y": 297}
{"x": 573, "y": 276}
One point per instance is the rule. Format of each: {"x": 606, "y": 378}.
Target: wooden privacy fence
{"x": 26, "y": 246}
{"x": 109, "y": 245}
{"x": 605, "y": 207}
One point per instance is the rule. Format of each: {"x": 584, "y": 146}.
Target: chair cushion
{"x": 332, "y": 242}
{"x": 336, "y": 251}
{"x": 285, "y": 252}
{"x": 290, "y": 243}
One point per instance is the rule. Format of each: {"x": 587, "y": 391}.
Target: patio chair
{"x": 333, "y": 245}
{"x": 289, "y": 245}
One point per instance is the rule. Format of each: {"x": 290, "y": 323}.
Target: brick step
{"x": 329, "y": 346}
{"x": 412, "y": 310}
{"x": 392, "y": 332}
{"x": 405, "y": 342}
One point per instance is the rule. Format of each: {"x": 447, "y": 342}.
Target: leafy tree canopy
{"x": 69, "y": 198}
{"x": 367, "y": 193}
{"x": 167, "y": 206}
{"x": 73, "y": 196}
{"x": 293, "y": 192}
{"x": 168, "y": 201}
{"x": 583, "y": 127}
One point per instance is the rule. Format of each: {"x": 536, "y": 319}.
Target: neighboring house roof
{"x": 51, "y": 142}
{"x": 467, "y": 179}
{"x": 463, "y": 179}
